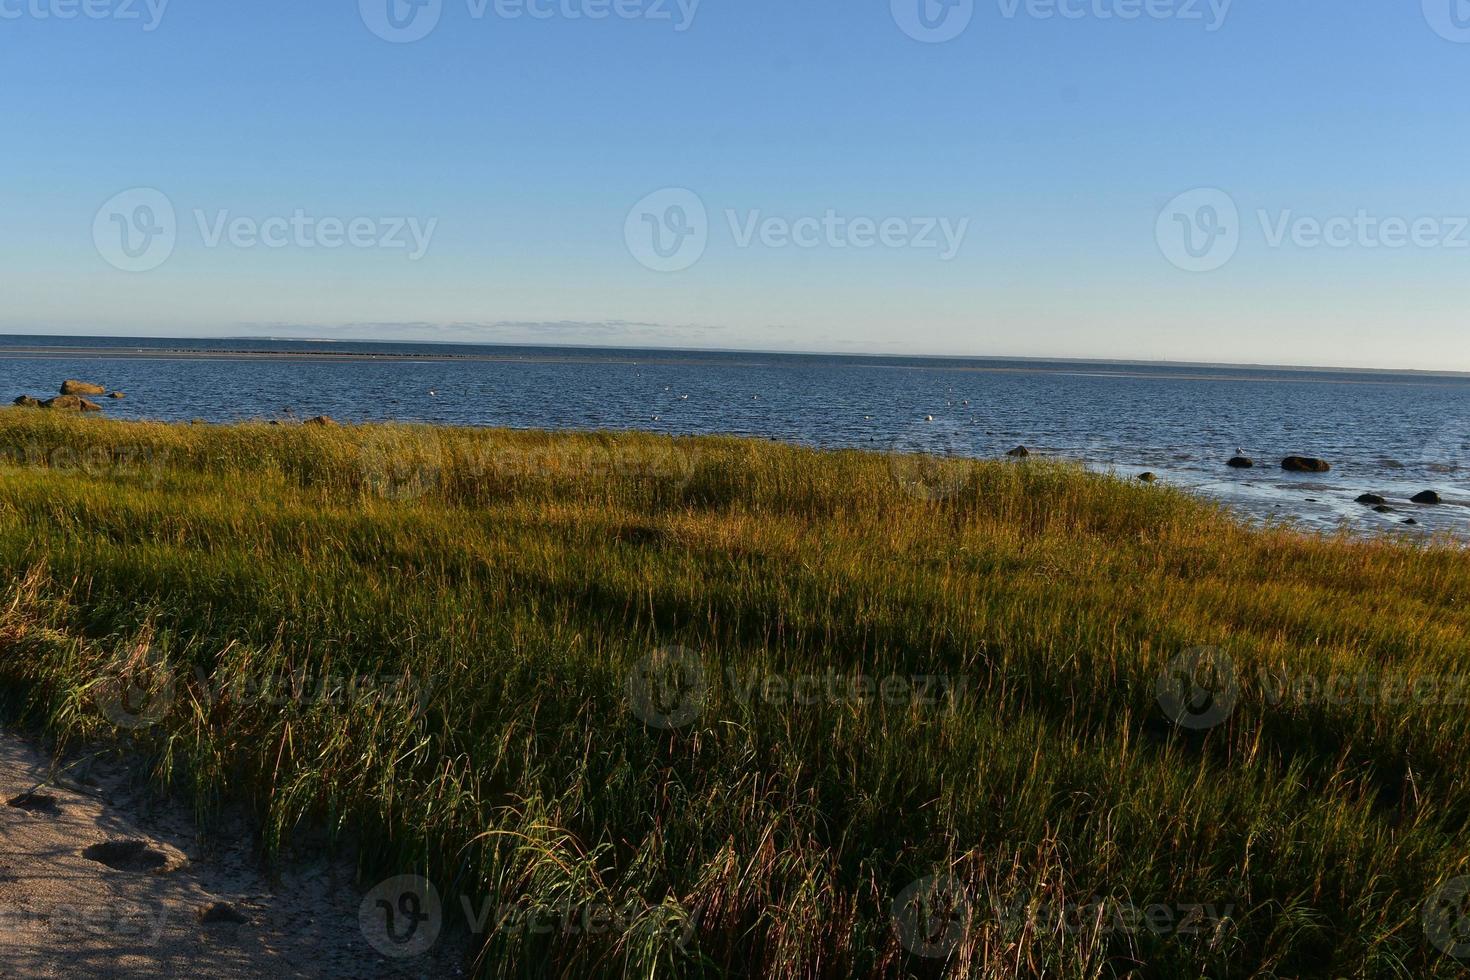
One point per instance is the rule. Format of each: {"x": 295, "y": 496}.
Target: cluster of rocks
{"x": 72, "y": 398}
{"x": 1310, "y": 464}
{"x": 1380, "y": 504}
{"x": 1292, "y": 464}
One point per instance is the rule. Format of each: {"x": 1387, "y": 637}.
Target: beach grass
{"x": 718, "y": 707}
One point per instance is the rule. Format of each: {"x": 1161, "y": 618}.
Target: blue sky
{"x": 493, "y": 171}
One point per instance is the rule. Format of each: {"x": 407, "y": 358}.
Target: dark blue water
{"x": 1393, "y": 434}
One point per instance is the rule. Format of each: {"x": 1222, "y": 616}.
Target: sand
{"x": 99, "y": 879}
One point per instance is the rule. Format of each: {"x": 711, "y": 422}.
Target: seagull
{"x": 433, "y": 393}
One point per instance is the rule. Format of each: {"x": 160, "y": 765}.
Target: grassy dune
{"x": 753, "y": 699}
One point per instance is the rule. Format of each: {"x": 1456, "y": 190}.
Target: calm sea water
{"x": 1392, "y": 434}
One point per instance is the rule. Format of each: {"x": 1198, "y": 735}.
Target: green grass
{"x": 511, "y": 583}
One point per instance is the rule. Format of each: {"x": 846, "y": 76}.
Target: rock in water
{"x": 71, "y": 403}
{"x": 1305, "y": 464}
{"x": 321, "y": 420}
{"x": 1147, "y": 477}
{"x": 1371, "y": 498}
{"x": 1427, "y": 497}
{"x": 116, "y": 394}
{"x": 1241, "y": 462}
{"x": 73, "y": 387}
{"x": 1383, "y": 509}
{"x": 26, "y": 401}
{"x": 1019, "y": 452}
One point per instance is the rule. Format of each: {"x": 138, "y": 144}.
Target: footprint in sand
{"x": 223, "y": 913}
{"x": 36, "y": 803}
{"x": 127, "y": 855}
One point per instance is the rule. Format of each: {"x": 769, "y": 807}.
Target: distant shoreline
{"x": 535, "y": 354}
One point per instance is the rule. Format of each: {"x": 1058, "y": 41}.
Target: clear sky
{"x": 829, "y": 175}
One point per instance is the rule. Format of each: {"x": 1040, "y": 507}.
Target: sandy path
{"x": 64, "y": 914}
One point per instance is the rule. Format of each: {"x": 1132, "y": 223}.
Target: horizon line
{"x": 875, "y": 355}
